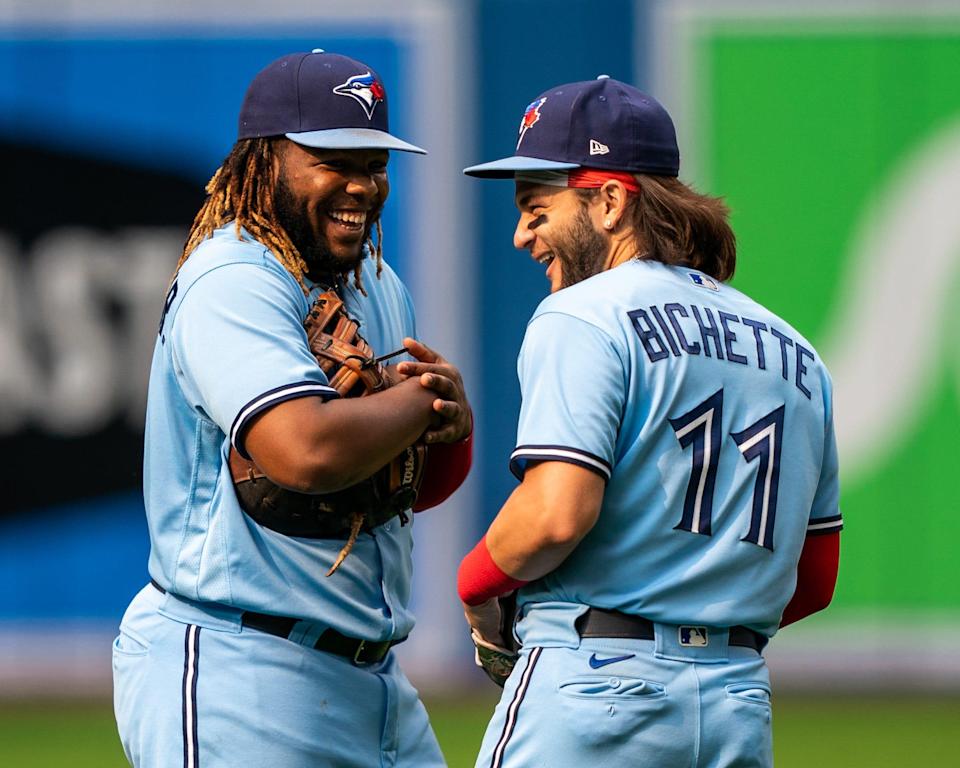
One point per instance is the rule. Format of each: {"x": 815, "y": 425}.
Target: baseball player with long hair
{"x": 282, "y": 456}
{"x": 678, "y": 496}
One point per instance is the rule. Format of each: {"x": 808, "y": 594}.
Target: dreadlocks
{"x": 242, "y": 191}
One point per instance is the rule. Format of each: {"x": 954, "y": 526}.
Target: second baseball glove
{"x": 354, "y": 371}
{"x": 496, "y": 660}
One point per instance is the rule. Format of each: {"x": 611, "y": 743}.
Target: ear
{"x": 613, "y": 200}
{"x": 279, "y": 150}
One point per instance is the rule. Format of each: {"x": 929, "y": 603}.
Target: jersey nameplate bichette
{"x": 666, "y": 330}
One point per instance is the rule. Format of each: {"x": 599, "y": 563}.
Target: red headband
{"x": 591, "y": 178}
{"x": 580, "y": 178}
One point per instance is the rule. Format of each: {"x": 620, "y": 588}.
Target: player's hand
{"x": 486, "y": 620}
{"x": 492, "y": 653}
{"x": 393, "y": 374}
{"x": 455, "y": 420}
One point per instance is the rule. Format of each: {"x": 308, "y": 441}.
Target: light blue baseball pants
{"x": 625, "y": 703}
{"x": 194, "y": 689}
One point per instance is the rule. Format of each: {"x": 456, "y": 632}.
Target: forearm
{"x": 541, "y": 523}
{"x": 357, "y": 436}
{"x": 526, "y": 541}
{"x": 326, "y": 446}
{"x": 480, "y": 579}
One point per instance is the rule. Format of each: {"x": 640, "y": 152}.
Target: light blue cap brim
{"x": 505, "y": 168}
{"x": 352, "y": 138}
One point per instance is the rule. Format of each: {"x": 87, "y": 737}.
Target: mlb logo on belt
{"x": 694, "y": 637}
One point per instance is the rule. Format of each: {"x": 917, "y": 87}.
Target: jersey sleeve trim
{"x": 832, "y": 524}
{"x": 268, "y": 399}
{"x": 523, "y": 454}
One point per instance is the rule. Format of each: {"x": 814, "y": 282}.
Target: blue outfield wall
{"x": 164, "y": 102}
{"x": 76, "y": 561}
{"x": 524, "y": 48}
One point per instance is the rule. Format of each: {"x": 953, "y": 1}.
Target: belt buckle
{"x": 356, "y": 654}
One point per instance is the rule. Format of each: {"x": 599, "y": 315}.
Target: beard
{"x": 582, "y": 250}
{"x": 314, "y": 248}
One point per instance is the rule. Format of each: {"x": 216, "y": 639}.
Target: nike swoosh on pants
{"x": 596, "y": 663}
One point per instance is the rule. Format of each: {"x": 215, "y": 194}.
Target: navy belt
{"x": 358, "y": 651}
{"x": 599, "y": 622}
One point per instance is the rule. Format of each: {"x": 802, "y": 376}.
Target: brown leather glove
{"x": 354, "y": 371}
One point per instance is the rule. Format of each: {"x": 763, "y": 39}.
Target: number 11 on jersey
{"x": 701, "y": 429}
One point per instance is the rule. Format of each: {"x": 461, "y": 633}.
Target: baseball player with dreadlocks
{"x": 283, "y": 456}
{"x": 679, "y": 497}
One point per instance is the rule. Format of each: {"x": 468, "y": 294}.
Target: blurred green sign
{"x": 836, "y": 142}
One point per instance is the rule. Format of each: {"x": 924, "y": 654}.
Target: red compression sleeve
{"x": 447, "y": 468}
{"x": 480, "y": 579}
{"x": 816, "y": 577}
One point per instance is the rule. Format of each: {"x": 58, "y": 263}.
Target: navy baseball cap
{"x": 603, "y": 124}
{"x": 321, "y": 100}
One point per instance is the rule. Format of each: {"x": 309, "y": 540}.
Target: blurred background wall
{"x": 832, "y": 130}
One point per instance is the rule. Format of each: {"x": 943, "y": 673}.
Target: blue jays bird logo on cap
{"x": 530, "y": 116}
{"x": 365, "y": 89}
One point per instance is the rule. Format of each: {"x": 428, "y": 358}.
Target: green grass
{"x": 44, "y": 735}
{"x": 876, "y": 732}
{"x": 460, "y": 723}
{"x": 825, "y": 732}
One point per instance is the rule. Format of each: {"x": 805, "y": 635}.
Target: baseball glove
{"x": 498, "y": 661}
{"x": 353, "y": 370}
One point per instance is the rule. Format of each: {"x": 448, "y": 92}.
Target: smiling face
{"x": 327, "y": 200}
{"x": 556, "y": 227}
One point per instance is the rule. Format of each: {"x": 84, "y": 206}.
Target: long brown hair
{"x": 677, "y": 225}
{"x": 242, "y": 191}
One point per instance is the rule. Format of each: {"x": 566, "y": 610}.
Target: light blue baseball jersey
{"x": 231, "y": 344}
{"x": 711, "y": 420}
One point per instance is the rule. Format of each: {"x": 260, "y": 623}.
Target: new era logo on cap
{"x": 596, "y": 148}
